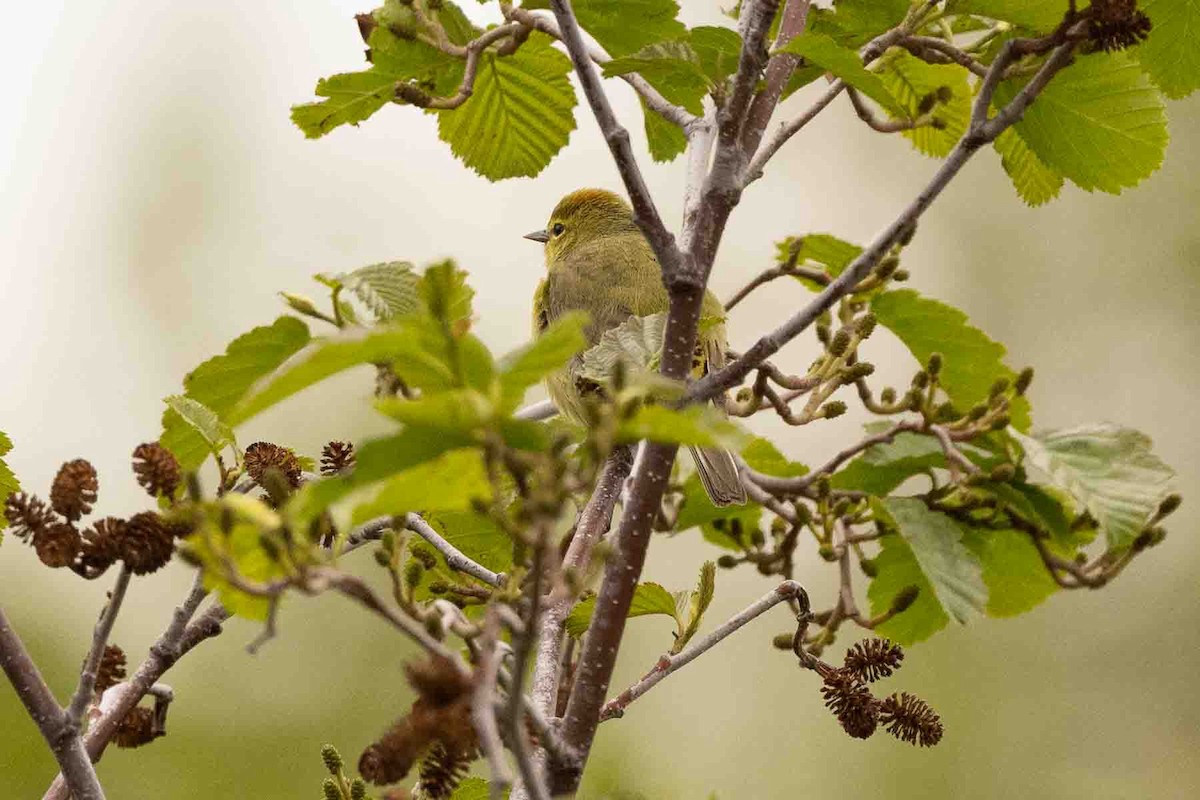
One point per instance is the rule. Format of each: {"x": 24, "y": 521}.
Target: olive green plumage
{"x": 598, "y": 261}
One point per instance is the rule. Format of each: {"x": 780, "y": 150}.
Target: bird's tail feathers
{"x": 718, "y": 473}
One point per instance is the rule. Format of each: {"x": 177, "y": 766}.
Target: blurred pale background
{"x": 156, "y": 196}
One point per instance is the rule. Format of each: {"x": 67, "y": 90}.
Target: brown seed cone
{"x": 437, "y": 681}
{"x": 262, "y": 456}
{"x": 111, "y": 670}
{"x": 441, "y": 771}
{"x": 28, "y": 515}
{"x": 910, "y": 719}
{"x": 99, "y": 549}
{"x": 145, "y": 544}
{"x": 873, "y": 659}
{"x": 851, "y": 702}
{"x": 156, "y": 469}
{"x": 336, "y": 458}
{"x": 1117, "y": 24}
{"x": 389, "y": 759}
{"x": 57, "y": 545}
{"x": 74, "y": 489}
{"x": 136, "y": 729}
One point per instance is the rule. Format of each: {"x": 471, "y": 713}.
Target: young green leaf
{"x": 853, "y": 22}
{"x": 911, "y": 81}
{"x": 242, "y": 546}
{"x": 844, "y": 63}
{"x": 1035, "y": 15}
{"x": 1109, "y": 470}
{"x": 548, "y": 353}
{"x": 927, "y": 552}
{"x": 702, "y": 426}
{"x": 673, "y": 68}
{"x": 478, "y": 537}
{"x": 222, "y": 381}
{"x": 1100, "y": 122}
{"x": 822, "y": 250}
{"x": 636, "y": 343}
{"x": 475, "y": 789}
{"x": 519, "y": 116}
{"x": 718, "y": 50}
{"x": 1038, "y": 507}
{"x": 648, "y": 598}
{"x": 883, "y": 467}
{"x": 1170, "y": 55}
{"x": 972, "y": 361}
{"x": 8, "y": 481}
{"x": 461, "y": 411}
{"x": 1016, "y": 578}
{"x": 690, "y": 606}
{"x": 625, "y": 27}
{"x": 448, "y": 483}
{"x": 664, "y": 139}
{"x": 388, "y": 290}
{"x": 203, "y": 420}
{"x": 1034, "y": 181}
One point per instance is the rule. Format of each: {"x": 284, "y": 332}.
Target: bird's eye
{"x": 557, "y": 229}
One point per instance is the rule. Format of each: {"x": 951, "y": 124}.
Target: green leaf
{"x": 648, "y": 598}
{"x": 548, "y": 353}
{"x": 1170, "y": 55}
{"x": 1035, "y": 182}
{"x": 449, "y": 482}
{"x": 625, "y": 27}
{"x": 355, "y": 96}
{"x": 1016, "y": 578}
{"x": 853, "y": 22}
{"x": 910, "y": 80}
{"x": 1100, "y": 122}
{"x": 971, "y": 361}
{"x": 762, "y": 456}
{"x": 844, "y": 63}
{"x": 520, "y": 114}
{"x": 462, "y": 411}
{"x": 702, "y": 426}
{"x": 820, "y": 250}
{"x": 478, "y": 537}
{"x": 883, "y": 467}
{"x": 636, "y": 343}
{"x": 1040, "y": 508}
{"x": 8, "y": 481}
{"x": 927, "y": 551}
{"x": 388, "y": 290}
{"x": 664, "y": 139}
{"x": 673, "y": 68}
{"x": 234, "y": 533}
{"x": 718, "y": 49}
{"x": 474, "y": 789}
{"x": 1109, "y": 470}
{"x": 690, "y": 606}
{"x": 203, "y": 420}
{"x": 444, "y": 291}
{"x": 221, "y": 382}
{"x": 1036, "y": 15}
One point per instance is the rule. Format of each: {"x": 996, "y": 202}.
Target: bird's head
{"x": 581, "y": 217}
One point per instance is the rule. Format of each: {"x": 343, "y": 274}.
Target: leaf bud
{"x": 332, "y": 758}
{"x": 425, "y": 556}
{"x": 856, "y": 371}
{"x": 867, "y": 565}
{"x": 1157, "y": 534}
{"x": 944, "y": 94}
{"x": 920, "y": 380}
{"x": 823, "y": 487}
{"x": 1001, "y": 422}
{"x": 301, "y": 304}
{"x": 887, "y": 267}
{"x": 934, "y": 365}
{"x": 907, "y": 233}
{"x": 782, "y": 641}
{"x": 1003, "y": 473}
{"x": 907, "y": 596}
{"x": 840, "y": 342}
{"x": 727, "y": 562}
{"x": 827, "y": 552}
{"x": 433, "y": 626}
{"x": 977, "y": 411}
{"x": 779, "y": 527}
{"x": 865, "y": 325}
{"x": 330, "y": 790}
{"x": 413, "y": 571}
{"x": 823, "y": 333}
{"x": 945, "y": 412}
{"x": 833, "y": 409}
{"x": 1169, "y": 505}
{"x": 1024, "y": 378}
{"x": 887, "y": 396}
{"x": 938, "y": 124}
{"x": 901, "y": 275}
{"x": 358, "y": 789}
{"x": 927, "y": 103}
{"x": 841, "y": 507}
{"x": 439, "y": 587}
{"x": 803, "y": 515}
{"x": 744, "y": 395}
{"x": 480, "y": 506}
{"x": 998, "y": 388}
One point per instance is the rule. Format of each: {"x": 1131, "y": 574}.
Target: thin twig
{"x": 668, "y": 664}
{"x": 455, "y": 558}
{"x": 524, "y": 644}
{"x": 775, "y": 484}
{"x": 91, "y": 665}
{"x": 483, "y": 709}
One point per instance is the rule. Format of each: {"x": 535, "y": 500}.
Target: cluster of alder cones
{"x": 144, "y": 542}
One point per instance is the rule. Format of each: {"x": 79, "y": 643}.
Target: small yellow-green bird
{"x": 598, "y": 261}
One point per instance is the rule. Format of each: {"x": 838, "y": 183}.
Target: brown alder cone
{"x": 74, "y": 489}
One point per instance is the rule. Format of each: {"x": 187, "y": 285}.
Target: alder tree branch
{"x": 668, "y": 664}
{"x": 91, "y": 665}
{"x": 61, "y": 737}
{"x": 779, "y": 69}
{"x": 483, "y": 707}
{"x": 455, "y": 558}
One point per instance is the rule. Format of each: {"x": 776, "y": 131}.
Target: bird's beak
{"x": 538, "y": 236}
